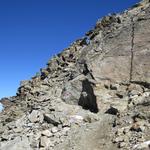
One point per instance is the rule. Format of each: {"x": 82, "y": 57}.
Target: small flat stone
{"x": 47, "y": 133}
{"x": 54, "y": 129}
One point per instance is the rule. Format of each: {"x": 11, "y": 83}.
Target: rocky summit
{"x": 94, "y": 95}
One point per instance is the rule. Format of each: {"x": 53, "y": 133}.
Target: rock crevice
{"x": 132, "y": 47}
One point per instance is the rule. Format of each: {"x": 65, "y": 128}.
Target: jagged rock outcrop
{"x": 95, "y": 94}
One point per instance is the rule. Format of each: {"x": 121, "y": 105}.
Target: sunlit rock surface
{"x": 94, "y": 95}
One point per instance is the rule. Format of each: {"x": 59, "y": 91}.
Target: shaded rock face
{"x": 95, "y": 94}
{"x": 80, "y": 93}
{"x": 87, "y": 98}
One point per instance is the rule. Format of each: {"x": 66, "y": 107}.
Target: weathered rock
{"x": 80, "y": 92}
{"x": 95, "y": 94}
{"x": 17, "y": 144}
{"x": 51, "y": 119}
{"x": 72, "y": 91}
{"x": 47, "y": 133}
{"x": 54, "y": 130}
{"x": 142, "y": 146}
{"x": 36, "y": 116}
{"x": 44, "y": 142}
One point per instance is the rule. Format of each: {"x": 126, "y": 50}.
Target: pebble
{"x": 54, "y": 129}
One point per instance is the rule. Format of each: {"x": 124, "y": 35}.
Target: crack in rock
{"x": 132, "y": 48}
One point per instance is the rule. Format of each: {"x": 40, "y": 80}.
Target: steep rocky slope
{"x": 94, "y": 95}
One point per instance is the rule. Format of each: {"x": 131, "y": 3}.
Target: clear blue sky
{"x": 31, "y": 31}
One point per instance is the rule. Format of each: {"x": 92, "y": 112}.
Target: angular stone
{"x": 54, "y": 129}
{"x": 112, "y": 111}
{"x": 36, "y": 116}
{"x": 44, "y": 142}
{"x": 47, "y": 133}
{"x": 49, "y": 118}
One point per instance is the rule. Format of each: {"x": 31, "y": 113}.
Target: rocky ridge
{"x": 95, "y": 94}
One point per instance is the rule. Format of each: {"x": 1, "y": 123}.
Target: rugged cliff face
{"x": 95, "y": 94}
